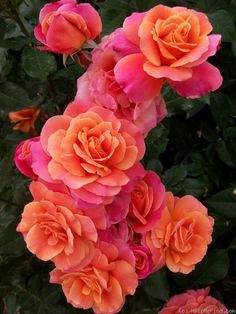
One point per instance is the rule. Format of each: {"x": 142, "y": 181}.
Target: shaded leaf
{"x": 223, "y": 24}
{"x": 157, "y": 286}
{"x": 213, "y": 268}
{"x": 38, "y": 64}
{"x": 223, "y": 203}
{"x": 13, "y": 96}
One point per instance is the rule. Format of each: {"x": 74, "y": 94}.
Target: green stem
{"x": 17, "y": 18}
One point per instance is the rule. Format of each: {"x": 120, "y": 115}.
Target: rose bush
{"x": 98, "y": 213}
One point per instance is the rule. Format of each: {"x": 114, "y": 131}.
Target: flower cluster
{"x": 103, "y": 220}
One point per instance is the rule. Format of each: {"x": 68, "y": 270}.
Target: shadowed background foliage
{"x": 194, "y": 150}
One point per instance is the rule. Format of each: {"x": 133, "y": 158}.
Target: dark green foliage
{"x": 194, "y": 150}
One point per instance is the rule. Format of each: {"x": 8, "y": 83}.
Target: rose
{"x": 92, "y": 152}
{"x": 181, "y": 236}
{"x": 23, "y": 157}
{"x": 194, "y": 301}
{"x": 103, "y": 284}
{"x": 65, "y": 26}
{"x": 25, "y": 119}
{"x": 99, "y": 86}
{"x": 147, "y": 202}
{"x": 143, "y": 260}
{"x": 174, "y": 44}
{"x": 54, "y": 228}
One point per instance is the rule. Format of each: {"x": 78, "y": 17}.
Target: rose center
{"x": 95, "y": 147}
{"x": 54, "y": 232}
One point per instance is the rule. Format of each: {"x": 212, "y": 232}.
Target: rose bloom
{"x": 25, "y": 119}
{"x": 194, "y": 301}
{"x": 54, "y": 228}
{"x": 174, "y": 45}
{"x": 23, "y": 157}
{"x": 143, "y": 260}
{"x": 99, "y": 86}
{"x": 181, "y": 236}
{"x": 147, "y": 203}
{"x": 92, "y": 152}
{"x": 104, "y": 283}
{"x": 65, "y": 26}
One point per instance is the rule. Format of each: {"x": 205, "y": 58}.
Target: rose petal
{"x": 137, "y": 84}
{"x": 205, "y": 79}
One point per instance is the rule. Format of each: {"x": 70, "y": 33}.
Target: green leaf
{"x": 38, "y": 64}
{"x": 13, "y": 96}
{"x": 223, "y": 203}
{"x": 157, "y": 286}
{"x": 222, "y": 109}
{"x": 156, "y": 141}
{"x": 221, "y": 225}
{"x": 211, "y": 5}
{"x": 3, "y": 59}
{"x": 113, "y": 14}
{"x": 223, "y": 153}
{"x": 16, "y": 43}
{"x": 11, "y": 242}
{"x": 213, "y": 268}
{"x": 232, "y": 245}
{"x": 174, "y": 175}
{"x": 2, "y": 28}
{"x": 223, "y": 24}
{"x": 195, "y": 187}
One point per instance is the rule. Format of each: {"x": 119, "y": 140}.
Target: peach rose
{"x": 54, "y": 228}
{"x": 103, "y": 284}
{"x": 23, "y": 157}
{"x": 25, "y": 119}
{"x": 99, "y": 86}
{"x": 91, "y": 152}
{"x": 147, "y": 203}
{"x": 65, "y": 26}
{"x": 174, "y": 44}
{"x": 181, "y": 237}
{"x": 194, "y": 301}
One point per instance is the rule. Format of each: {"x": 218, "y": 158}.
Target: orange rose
{"x": 103, "y": 284}
{"x": 174, "y": 45}
{"x": 94, "y": 153}
{"x": 182, "y": 235}
{"x": 25, "y": 119}
{"x": 54, "y": 228}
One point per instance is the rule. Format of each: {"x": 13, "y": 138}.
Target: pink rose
{"x": 173, "y": 45}
{"x": 143, "y": 260}
{"x": 23, "y": 157}
{"x": 103, "y": 284}
{"x": 65, "y": 26}
{"x": 54, "y": 228}
{"x": 92, "y": 152}
{"x": 99, "y": 86}
{"x": 194, "y": 301}
{"x": 147, "y": 203}
{"x": 123, "y": 231}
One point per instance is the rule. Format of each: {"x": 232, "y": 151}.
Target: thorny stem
{"x": 17, "y": 18}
